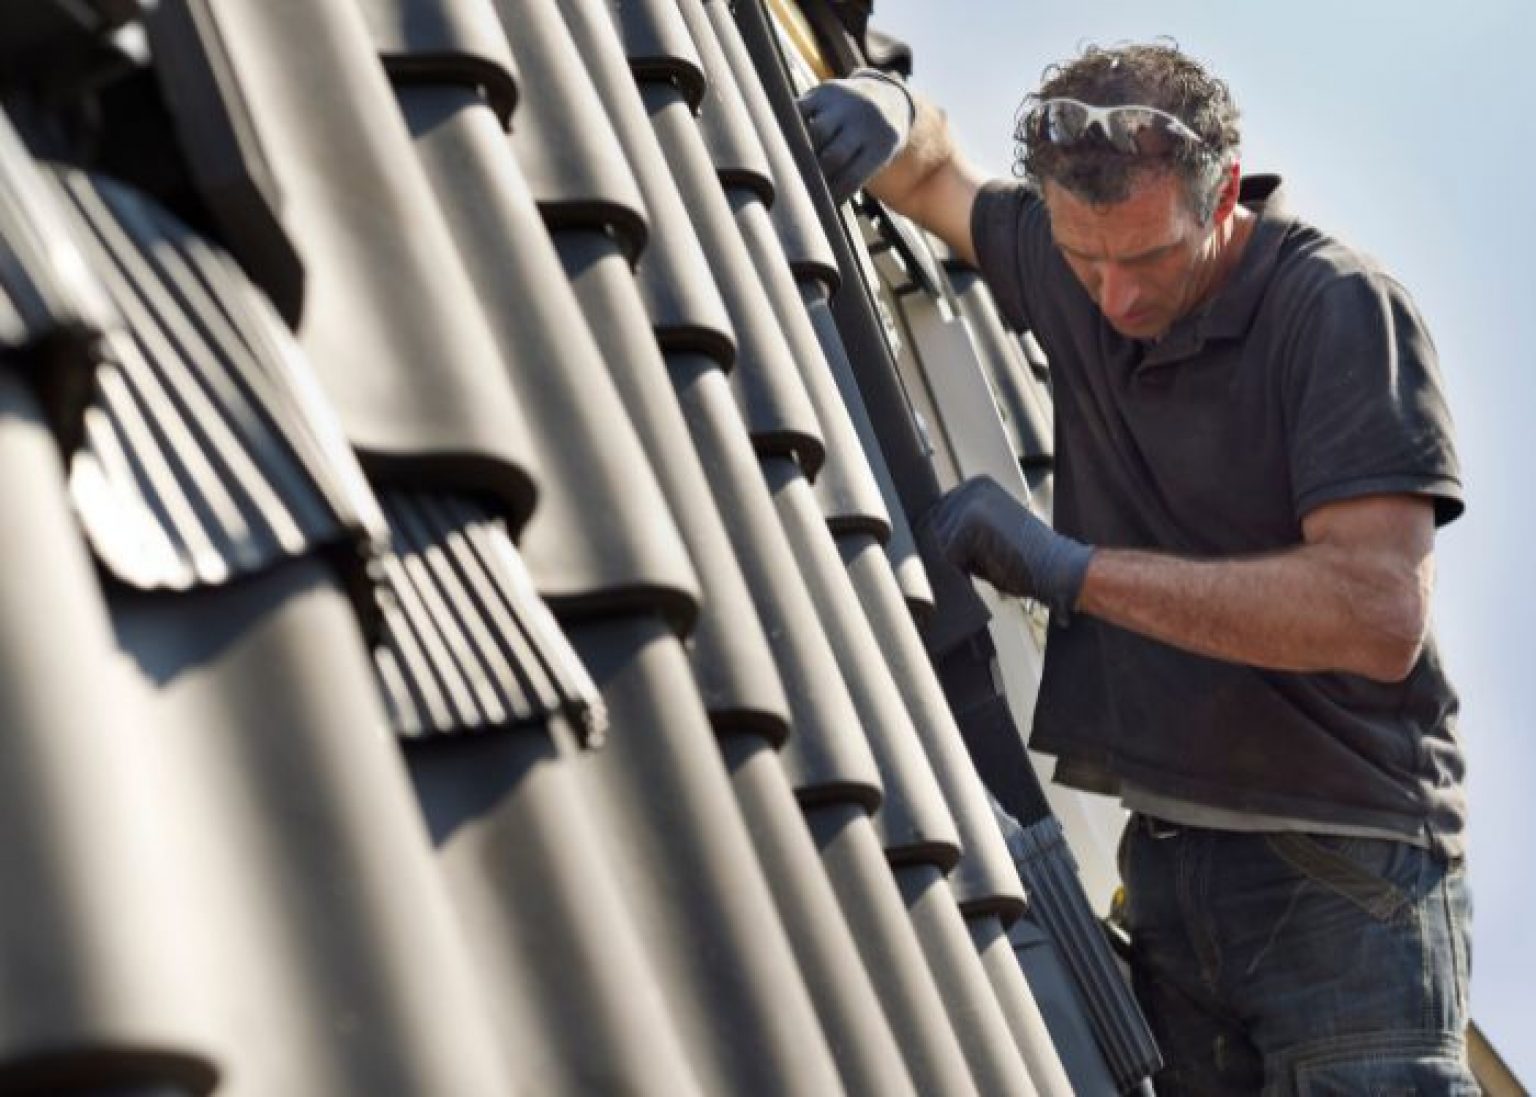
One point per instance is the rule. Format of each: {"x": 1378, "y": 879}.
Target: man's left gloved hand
{"x": 857, "y": 126}
{"x": 986, "y": 532}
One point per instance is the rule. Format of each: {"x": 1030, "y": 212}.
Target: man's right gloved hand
{"x": 857, "y": 126}
{"x": 986, "y": 532}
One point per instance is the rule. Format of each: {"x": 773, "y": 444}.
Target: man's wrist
{"x": 1067, "y": 572}
{"x": 894, "y": 81}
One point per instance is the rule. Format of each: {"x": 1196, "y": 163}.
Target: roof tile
{"x": 826, "y": 756}
{"x": 389, "y": 318}
{"x": 435, "y": 41}
{"x": 689, "y": 874}
{"x": 566, "y": 974}
{"x": 781, "y": 872}
{"x": 675, "y": 282}
{"x": 467, "y": 643}
{"x": 996, "y": 1062}
{"x": 914, "y": 823}
{"x": 732, "y": 663}
{"x": 887, "y": 940}
{"x": 203, "y": 457}
{"x": 98, "y": 992}
{"x": 602, "y": 536}
{"x": 805, "y": 243}
{"x": 563, "y": 139}
{"x": 659, "y": 47}
{"x": 774, "y": 403}
{"x": 315, "y": 914}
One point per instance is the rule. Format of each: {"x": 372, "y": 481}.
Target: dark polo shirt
{"x": 1309, "y": 378}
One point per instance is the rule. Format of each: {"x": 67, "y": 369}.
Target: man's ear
{"x": 1229, "y": 193}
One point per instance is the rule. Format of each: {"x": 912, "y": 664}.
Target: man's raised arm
{"x": 869, "y": 130}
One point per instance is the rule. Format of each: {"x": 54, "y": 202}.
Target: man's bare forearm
{"x": 929, "y": 148}
{"x": 931, "y": 182}
{"x": 1317, "y": 607}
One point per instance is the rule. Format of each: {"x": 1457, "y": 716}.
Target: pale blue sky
{"x": 1410, "y": 131}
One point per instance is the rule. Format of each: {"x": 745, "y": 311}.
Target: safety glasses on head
{"x": 1131, "y": 128}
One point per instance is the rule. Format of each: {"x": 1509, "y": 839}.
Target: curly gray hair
{"x": 1153, "y": 74}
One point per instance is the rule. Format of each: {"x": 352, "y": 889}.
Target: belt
{"x": 1153, "y": 827}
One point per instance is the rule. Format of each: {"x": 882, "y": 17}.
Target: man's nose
{"x": 1118, "y": 292}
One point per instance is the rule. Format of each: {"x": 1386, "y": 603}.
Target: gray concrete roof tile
{"x": 458, "y": 41}
{"x": 389, "y": 318}
{"x": 781, "y": 855}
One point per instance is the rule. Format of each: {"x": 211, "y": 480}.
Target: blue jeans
{"x": 1298, "y": 964}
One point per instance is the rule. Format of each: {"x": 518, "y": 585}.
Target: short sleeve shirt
{"x": 1309, "y": 378}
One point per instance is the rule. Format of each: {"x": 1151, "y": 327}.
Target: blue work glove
{"x": 857, "y": 125}
{"x": 986, "y": 532}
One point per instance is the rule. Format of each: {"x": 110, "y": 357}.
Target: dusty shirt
{"x": 1308, "y": 379}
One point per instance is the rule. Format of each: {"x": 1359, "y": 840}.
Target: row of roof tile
{"x": 518, "y": 390}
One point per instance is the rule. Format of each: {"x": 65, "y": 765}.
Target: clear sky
{"x": 1409, "y": 130}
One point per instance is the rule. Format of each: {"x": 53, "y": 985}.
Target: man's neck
{"x": 1228, "y": 243}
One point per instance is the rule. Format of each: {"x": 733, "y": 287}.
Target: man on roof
{"x": 1253, "y": 454}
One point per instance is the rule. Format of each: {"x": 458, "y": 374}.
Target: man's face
{"x": 1145, "y": 261}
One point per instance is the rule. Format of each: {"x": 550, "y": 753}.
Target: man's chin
{"x": 1148, "y": 327}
